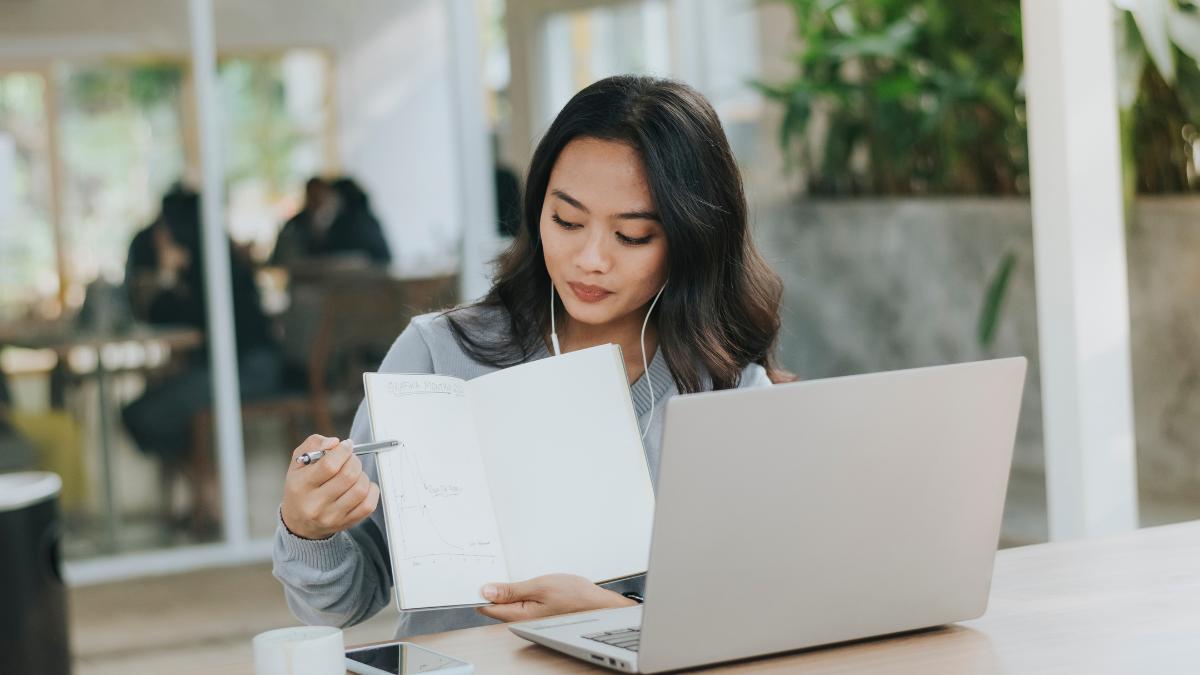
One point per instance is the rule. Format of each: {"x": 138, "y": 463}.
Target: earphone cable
{"x": 645, "y": 366}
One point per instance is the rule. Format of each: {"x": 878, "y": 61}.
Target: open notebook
{"x": 529, "y": 470}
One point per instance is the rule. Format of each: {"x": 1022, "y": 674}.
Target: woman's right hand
{"x": 329, "y": 495}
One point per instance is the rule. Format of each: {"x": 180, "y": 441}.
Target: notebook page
{"x": 564, "y": 460}
{"x": 442, "y": 532}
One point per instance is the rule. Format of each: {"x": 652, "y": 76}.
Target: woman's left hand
{"x": 546, "y": 596}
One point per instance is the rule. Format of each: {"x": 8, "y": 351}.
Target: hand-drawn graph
{"x": 445, "y": 544}
{"x": 429, "y": 519}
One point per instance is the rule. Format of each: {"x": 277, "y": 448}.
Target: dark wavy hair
{"x": 720, "y": 312}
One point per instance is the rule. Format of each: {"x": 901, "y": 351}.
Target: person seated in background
{"x": 336, "y": 220}
{"x": 356, "y": 229}
{"x": 303, "y": 235}
{"x": 152, "y": 264}
{"x": 165, "y": 278}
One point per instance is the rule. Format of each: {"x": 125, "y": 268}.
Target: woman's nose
{"x": 594, "y": 256}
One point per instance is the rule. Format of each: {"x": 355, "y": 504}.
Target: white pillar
{"x": 478, "y": 196}
{"x": 1079, "y": 247}
{"x": 227, "y": 402}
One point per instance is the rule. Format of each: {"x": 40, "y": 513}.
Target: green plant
{"x": 104, "y": 88}
{"x": 893, "y": 97}
{"x": 262, "y": 136}
{"x": 1159, "y": 102}
{"x": 1158, "y": 68}
{"x": 993, "y": 299}
{"x": 904, "y": 97}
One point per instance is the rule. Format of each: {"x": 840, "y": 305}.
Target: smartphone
{"x": 403, "y": 658}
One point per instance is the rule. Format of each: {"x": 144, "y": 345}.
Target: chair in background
{"x": 297, "y": 405}
{"x": 334, "y": 330}
{"x": 362, "y": 318}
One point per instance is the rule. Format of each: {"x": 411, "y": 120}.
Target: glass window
{"x": 276, "y": 115}
{"x": 28, "y": 273}
{"x": 583, "y": 46}
{"x": 122, "y": 131}
{"x": 111, "y": 388}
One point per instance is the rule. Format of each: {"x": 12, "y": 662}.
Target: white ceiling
{"x": 34, "y": 31}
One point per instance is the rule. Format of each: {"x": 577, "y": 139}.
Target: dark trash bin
{"x": 33, "y": 602}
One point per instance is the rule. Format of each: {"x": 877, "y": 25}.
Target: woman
{"x": 634, "y": 232}
{"x": 165, "y": 278}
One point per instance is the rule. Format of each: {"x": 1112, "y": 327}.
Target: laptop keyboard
{"x": 625, "y": 638}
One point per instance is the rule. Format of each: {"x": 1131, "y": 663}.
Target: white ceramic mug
{"x": 303, "y": 650}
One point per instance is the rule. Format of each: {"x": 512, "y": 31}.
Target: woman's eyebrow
{"x": 570, "y": 200}
{"x": 639, "y": 215}
{"x": 629, "y": 215}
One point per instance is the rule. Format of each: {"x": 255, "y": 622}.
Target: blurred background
{"x": 358, "y": 163}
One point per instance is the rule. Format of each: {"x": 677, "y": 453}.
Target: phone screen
{"x": 402, "y": 659}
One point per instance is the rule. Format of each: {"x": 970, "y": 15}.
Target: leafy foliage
{"x": 102, "y": 89}
{"x": 1158, "y": 47}
{"x": 905, "y": 97}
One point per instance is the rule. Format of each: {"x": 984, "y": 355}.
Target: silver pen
{"x": 310, "y": 457}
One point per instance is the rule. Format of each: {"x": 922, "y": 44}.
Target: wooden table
{"x": 1127, "y": 604}
{"x": 62, "y": 338}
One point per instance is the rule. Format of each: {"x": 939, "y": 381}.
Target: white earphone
{"x": 553, "y": 332}
{"x": 641, "y": 342}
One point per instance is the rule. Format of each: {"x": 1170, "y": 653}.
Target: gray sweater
{"x": 346, "y": 579}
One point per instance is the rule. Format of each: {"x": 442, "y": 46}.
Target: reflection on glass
{"x": 586, "y": 45}
{"x": 106, "y": 380}
{"x": 27, "y": 270}
{"x": 277, "y": 136}
{"x": 122, "y": 146}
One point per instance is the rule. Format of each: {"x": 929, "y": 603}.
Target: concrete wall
{"x": 885, "y": 284}
{"x": 1164, "y": 280}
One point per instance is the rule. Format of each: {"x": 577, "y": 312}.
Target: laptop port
{"x": 612, "y": 661}
{"x": 598, "y": 657}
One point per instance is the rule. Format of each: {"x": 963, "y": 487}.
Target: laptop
{"x": 812, "y": 513}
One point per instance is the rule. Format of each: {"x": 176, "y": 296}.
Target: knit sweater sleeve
{"x": 347, "y": 578}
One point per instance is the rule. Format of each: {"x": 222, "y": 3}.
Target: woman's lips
{"x": 589, "y": 293}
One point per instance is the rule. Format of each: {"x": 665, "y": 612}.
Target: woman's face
{"x": 605, "y": 248}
